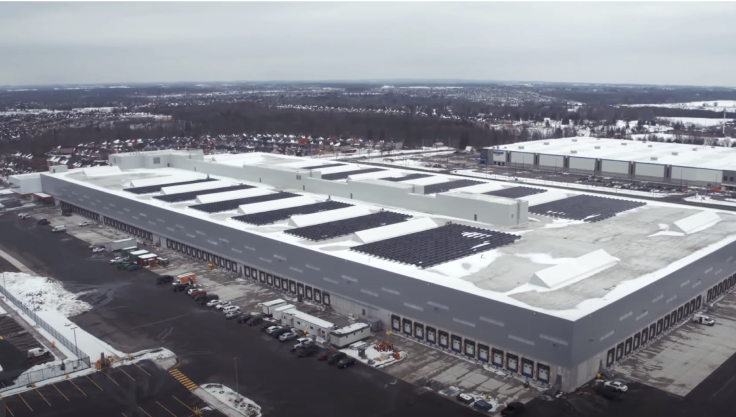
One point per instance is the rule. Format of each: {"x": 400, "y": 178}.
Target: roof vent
{"x": 654, "y": 158}
{"x": 574, "y": 140}
{"x": 695, "y": 149}
{"x": 597, "y": 147}
{"x": 598, "y": 138}
{"x": 649, "y": 146}
{"x": 546, "y": 143}
{"x": 521, "y": 147}
{"x": 675, "y": 153}
{"x": 623, "y": 143}
{"x": 573, "y": 151}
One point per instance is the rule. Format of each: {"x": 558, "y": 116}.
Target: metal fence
{"x": 41, "y": 323}
{"x": 51, "y": 371}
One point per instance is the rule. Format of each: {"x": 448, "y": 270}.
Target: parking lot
{"x": 132, "y": 313}
{"x": 137, "y": 390}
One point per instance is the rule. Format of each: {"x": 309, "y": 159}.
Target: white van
{"x": 703, "y": 319}
{"x": 230, "y": 308}
{"x": 59, "y": 228}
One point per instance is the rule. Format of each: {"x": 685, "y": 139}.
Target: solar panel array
{"x": 156, "y": 188}
{"x": 437, "y": 246}
{"x": 516, "y": 192}
{"x": 585, "y": 207}
{"x": 220, "y": 206}
{"x": 449, "y": 185}
{"x": 344, "y": 227}
{"x": 191, "y": 195}
{"x": 342, "y": 175}
{"x": 407, "y": 177}
{"x": 268, "y": 217}
{"x": 322, "y": 166}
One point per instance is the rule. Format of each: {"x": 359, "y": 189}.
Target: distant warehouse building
{"x": 549, "y": 285}
{"x": 672, "y": 163}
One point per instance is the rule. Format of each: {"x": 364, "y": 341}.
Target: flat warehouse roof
{"x": 699, "y": 156}
{"x": 648, "y": 242}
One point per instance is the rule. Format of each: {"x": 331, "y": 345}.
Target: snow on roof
{"x": 349, "y": 328}
{"x": 165, "y": 179}
{"x": 697, "y": 222}
{"x": 197, "y": 186}
{"x": 273, "y": 302}
{"x": 284, "y": 308}
{"x": 303, "y": 220}
{"x": 700, "y": 156}
{"x": 573, "y": 270}
{"x": 104, "y": 170}
{"x": 148, "y": 256}
{"x": 275, "y": 204}
{"x": 310, "y": 318}
{"x": 139, "y": 252}
{"x": 232, "y": 195}
{"x": 395, "y": 230}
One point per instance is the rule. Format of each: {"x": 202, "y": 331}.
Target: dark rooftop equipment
{"x": 406, "y": 177}
{"x": 585, "y": 207}
{"x": 437, "y": 246}
{"x": 268, "y": 217}
{"x": 344, "y": 227}
{"x": 449, "y": 185}
{"x": 220, "y": 206}
{"x": 516, "y": 192}
{"x": 322, "y": 166}
{"x": 342, "y": 175}
{"x": 150, "y": 189}
{"x": 191, "y": 195}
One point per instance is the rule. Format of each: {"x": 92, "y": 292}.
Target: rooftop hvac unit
{"x": 573, "y": 151}
{"x": 546, "y": 143}
{"x": 521, "y": 147}
{"x": 623, "y": 143}
{"x": 654, "y": 158}
{"x": 649, "y": 146}
{"x": 675, "y": 153}
{"x": 574, "y": 140}
{"x": 695, "y": 149}
{"x": 597, "y": 147}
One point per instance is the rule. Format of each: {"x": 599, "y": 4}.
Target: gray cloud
{"x": 658, "y": 43}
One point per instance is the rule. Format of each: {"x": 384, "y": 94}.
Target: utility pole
{"x": 237, "y": 388}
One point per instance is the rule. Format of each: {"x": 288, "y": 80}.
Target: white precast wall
{"x": 26, "y": 183}
{"x": 615, "y": 167}
{"x": 499, "y": 156}
{"x": 551, "y": 161}
{"x": 699, "y": 175}
{"x": 482, "y": 208}
{"x": 586, "y": 165}
{"x": 650, "y": 171}
{"x": 522, "y": 158}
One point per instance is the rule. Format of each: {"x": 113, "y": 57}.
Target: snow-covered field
{"x": 714, "y": 105}
{"x": 696, "y": 121}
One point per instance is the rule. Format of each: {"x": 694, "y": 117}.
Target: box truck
{"x": 121, "y": 244}
{"x": 269, "y": 306}
{"x": 187, "y": 278}
{"x": 278, "y": 311}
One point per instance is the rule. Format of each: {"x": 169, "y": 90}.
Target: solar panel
{"x": 191, "y": 195}
{"x": 437, "y": 246}
{"x": 449, "y": 185}
{"x": 585, "y": 207}
{"x": 156, "y": 188}
{"x": 342, "y": 175}
{"x": 406, "y": 177}
{"x": 268, "y": 217}
{"x": 322, "y": 166}
{"x": 220, "y": 206}
{"x": 344, "y": 227}
{"x": 516, "y": 192}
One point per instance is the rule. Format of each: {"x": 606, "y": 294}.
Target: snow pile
{"x": 235, "y": 401}
{"x": 44, "y": 294}
{"x": 374, "y": 357}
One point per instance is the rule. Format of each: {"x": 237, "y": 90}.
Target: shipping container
{"x": 269, "y": 306}
{"x": 308, "y": 323}
{"x": 349, "y": 334}
{"x": 278, "y": 311}
{"x": 133, "y": 256}
{"x": 121, "y": 244}
{"x": 126, "y": 251}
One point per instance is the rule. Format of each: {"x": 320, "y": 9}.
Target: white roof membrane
{"x": 275, "y": 204}
{"x": 394, "y": 230}
{"x": 199, "y": 186}
{"x": 696, "y": 222}
{"x": 573, "y": 270}
{"x": 302, "y": 220}
{"x": 232, "y": 195}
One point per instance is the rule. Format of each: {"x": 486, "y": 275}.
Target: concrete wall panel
{"x": 551, "y": 161}
{"x": 643, "y": 169}
{"x": 615, "y": 167}
{"x": 688, "y": 175}
{"x": 582, "y": 164}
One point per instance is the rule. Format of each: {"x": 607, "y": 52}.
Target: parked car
{"x": 116, "y": 260}
{"x": 59, "y": 228}
{"x": 465, "y": 398}
{"x": 193, "y": 288}
{"x": 232, "y": 314}
{"x": 98, "y": 249}
{"x": 228, "y": 309}
{"x": 273, "y": 329}
{"x": 512, "y": 410}
{"x": 201, "y": 296}
{"x": 23, "y": 215}
{"x": 483, "y": 406}
{"x": 179, "y": 287}
{"x": 196, "y": 292}
{"x": 84, "y": 223}
{"x": 38, "y": 352}
{"x": 224, "y": 304}
{"x": 43, "y": 222}
{"x": 617, "y": 385}
{"x": 608, "y": 392}
{"x": 324, "y": 355}
{"x": 213, "y": 303}
{"x": 703, "y": 319}
{"x": 288, "y": 336}
{"x": 345, "y": 362}
{"x": 164, "y": 279}
{"x": 255, "y": 321}
{"x": 279, "y": 332}
{"x": 208, "y": 297}
{"x": 134, "y": 267}
{"x": 336, "y": 357}
{"x": 309, "y": 350}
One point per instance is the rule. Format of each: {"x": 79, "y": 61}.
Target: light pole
{"x": 74, "y": 329}
{"x": 237, "y": 388}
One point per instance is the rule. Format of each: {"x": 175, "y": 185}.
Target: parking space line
{"x": 90, "y": 380}
{"x": 62, "y": 394}
{"x": 182, "y": 403}
{"x": 161, "y": 405}
{"x": 144, "y": 411}
{"x": 123, "y": 414}
{"x": 121, "y": 369}
{"x": 80, "y": 390}
{"x": 44, "y": 398}
{"x": 108, "y": 377}
{"x": 8, "y": 408}
{"x": 144, "y": 371}
{"x": 24, "y": 401}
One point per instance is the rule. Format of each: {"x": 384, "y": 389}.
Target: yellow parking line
{"x": 166, "y": 409}
{"x": 80, "y": 390}
{"x": 11, "y": 413}
{"x": 24, "y": 400}
{"x": 144, "y": 371}
{"x": 44, "y": 398}
{"x": 62, "y": 394}
{"x": 144, "y": 411}
{"x": 90, "y": 380}
{"x": 108, "y": 376}
{"x": 121, "y": 369}
{"x": 123, "y": 414}
{"x": 180, "y": 402}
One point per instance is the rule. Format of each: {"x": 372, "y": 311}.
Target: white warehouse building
{"x": 672, "y": 163}
{"x": 547, "y": 284}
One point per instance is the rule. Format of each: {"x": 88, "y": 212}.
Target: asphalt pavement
{"x": 132, "y": 313}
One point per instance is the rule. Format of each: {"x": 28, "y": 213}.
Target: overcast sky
{"x": 653, "y": 43}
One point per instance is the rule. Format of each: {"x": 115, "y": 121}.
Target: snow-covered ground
{"x": 235, "y": 401}
{"x": 705, "y": 199}
{"x": 714, "y": 105}
{"x": 696, "y": 121}
{"x": 380, "y": 359}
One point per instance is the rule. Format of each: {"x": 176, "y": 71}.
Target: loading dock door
{"x": 443, "y": 340}
{"x": 419, "y": 331}
{"x": 497, "y": 358}
{"x": 396, "y": 323}
{"x": 483, "y": 353}
{"x": 543, "y": 371}
{"x": 457, "y": 344}
{"x": 431, "y": 335}
{"x": 407, "y": 327}
{"x": 527, "y": 368}
{"x": 470, "y": 348}
{"x": 513, "y": 364}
